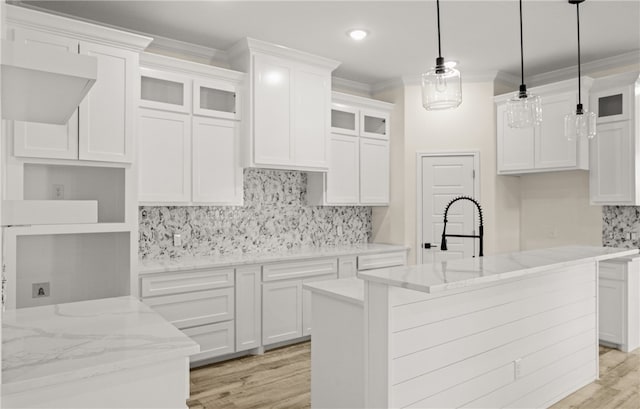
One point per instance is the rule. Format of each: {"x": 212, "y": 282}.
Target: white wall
{"x": 471, "y": 127}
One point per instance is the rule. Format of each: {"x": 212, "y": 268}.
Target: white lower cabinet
{"x": 214, "y": 339}
{"x": 281, "y": 311}
{"x": 306, "y": 302}
{"x": 248, "y": 308}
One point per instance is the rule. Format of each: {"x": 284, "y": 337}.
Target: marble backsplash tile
{"x": 274, "y": 217}
{"x": 617, "y": 223}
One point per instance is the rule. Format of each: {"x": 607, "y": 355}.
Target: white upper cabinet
{"x": 358, "y": 154}
{"x": 189, "y": 146}
{"x": 542, "y": 148}
{"x": 102, "y": 129}
{"x": 288, "y": 104}
{"x": 613, "y": 178}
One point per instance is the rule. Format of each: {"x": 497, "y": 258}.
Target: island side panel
{"x": 377, "y": 345}
{"x": 523, "y": 342}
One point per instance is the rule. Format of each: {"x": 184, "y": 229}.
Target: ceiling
{"x": 481, "y": 35}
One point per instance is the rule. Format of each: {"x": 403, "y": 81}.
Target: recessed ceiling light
{"x": 358, "y": 34}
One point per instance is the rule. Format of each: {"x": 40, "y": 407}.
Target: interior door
{"x": 445, "y": 177}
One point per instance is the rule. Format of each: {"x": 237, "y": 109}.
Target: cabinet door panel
{"x": 343, "y": 175}
{"x": 611, "y": 310}
{"x": 374, "y": 172}
{"x": 345, "y": 119}
{"x": 281, "y": 311}
{"x": 106, "y": 113}
{"x": 552, "y": 148}
{"x": 272, "y": 95}
{"x": 374, "y": 124}
{"x": 217, "y": 176}
{"x": 311, "y": 112}
{"x": 248, "y": 308}
{"x": 164, "y": 162}
{"x": 38, "y": 140}
{"x": 306, "y": 302}
{"x": 610, "y": 178}
{"x": 515, "y": 146}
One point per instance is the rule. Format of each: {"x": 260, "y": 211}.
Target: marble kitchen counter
{"x": 55, "y": 344}
{"x": 449, "y": 275}
{"x": 148, "y": 266}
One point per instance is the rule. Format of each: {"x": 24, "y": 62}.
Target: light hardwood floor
{"x": 281, "y": 379}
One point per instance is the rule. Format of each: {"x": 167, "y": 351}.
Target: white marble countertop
{"x": 449, "y": 275}
{"x": 350, "y": 290}
{"x": 148, "y": 266}
{"x": 66, "y": 342}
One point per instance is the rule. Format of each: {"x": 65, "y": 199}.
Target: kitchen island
{"x": 516, "y": 330}
{"x": 107, "y": 353}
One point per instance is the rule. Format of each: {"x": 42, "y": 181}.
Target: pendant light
{"x": 579, "y": 123}
{"x": 524, "y": 110}
{"x": 442, "y": 85}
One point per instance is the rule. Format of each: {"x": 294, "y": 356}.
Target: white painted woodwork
{"x": 343, "y": 177}
{"x": 289, "y": 100}
{"x": 248, "y": 318}
{"x": 281, "y": 311}
{"x": 384, "y": 260}
{"x": 374, "y": 171}
{"x": 165, "y": 90}
{"x": 614, "y": 151}
{"x": 299, "y": 269}
{"x": 214, "y": 339}
{"x": 459, "y": 348}
{"x": 374, "y": 124}
{"x": 176, "y": 283}
{"x": 107, "y": 123}
{"x": 345, "y": 119}
{"x": 217, "y": 175}
{"x": 39, "y": 140}
{"x": 347, "y": 267}
{"x": 15, "y": 212}
{"x": 150, "y": 386}
{"x": 272, "y": 105}
{"x": 216, "y": 98}
{"x": 196, "y": 308}
{"x": 337, "y": 354}
{"x": 306, "y": 302}
{"x": 164, "y": 156}
{"x": 619, "y": 303}
{"x": 542, "y": 148}
{"x": 443, "y": 178}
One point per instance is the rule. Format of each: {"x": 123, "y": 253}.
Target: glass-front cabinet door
{"x": 165, "y": 91}
{"x": 216, "y": 99}
{"x": 611, "y": 105}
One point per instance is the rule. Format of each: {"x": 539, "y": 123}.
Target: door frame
{"x": 476, "y": 188}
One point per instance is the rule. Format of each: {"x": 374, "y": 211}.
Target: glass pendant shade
{"x": 524, "y": 110}
{"x": 580, "y": 124}
{"x": 441, "y": 87}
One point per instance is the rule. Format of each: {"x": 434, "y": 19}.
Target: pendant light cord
{"x": 521, "y": 48}
{"x": 438, "y": 13}
{"x": 579, "y": 73}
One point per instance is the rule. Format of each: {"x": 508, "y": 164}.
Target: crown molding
{"x": 161, "y": 62}
{"x": 588, "y": 68}
{"x": 350, "y": 86}
{"x": 189, "y": 51}
{"x": 348, "y": 99}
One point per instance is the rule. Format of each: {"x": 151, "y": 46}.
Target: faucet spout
{"x": 480, "y": 235}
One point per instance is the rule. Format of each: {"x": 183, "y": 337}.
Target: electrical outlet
{"x": 58, "y": 192}
{"x": 39, "y": 290}
{"x": 517, "y": 368}
{"x": 339, "y": 230}
{"x": 177, "y": 240}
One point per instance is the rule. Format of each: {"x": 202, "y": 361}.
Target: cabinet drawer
{"x": 372, "y": 261}
{"x": 186, "y": 282}
{"x": 283, "y": 271}
{"x": 214, "y": 339}
{"x": 191, "y": 309}
{"x": 612, "y": 271}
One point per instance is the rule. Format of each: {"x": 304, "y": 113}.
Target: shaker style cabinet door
{"x": 106, "y": 113}
{"x": 164, "y": 150}
{"x": 272, "y": 95}
{"x": 515, "y": 146}
{"x": 552, "y": 148}
{"x": 217, "y": 176}
{"x": 38, "y": 140}
{"x": 343, "y": 177}
{"x": 248, "y": 308}
{"x": 374, "y": 172}
{"x": 612, "y": 163}
{"x": 281, "y": 311}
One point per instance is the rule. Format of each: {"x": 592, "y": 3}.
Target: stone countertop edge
{"x": 350, "y": 290}
{"x": 101, "y": 367}
{"x": 397, "y": 280}
{"x": 151, "y": 266}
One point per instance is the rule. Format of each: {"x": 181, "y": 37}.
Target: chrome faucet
{"x": 443, "y": 244}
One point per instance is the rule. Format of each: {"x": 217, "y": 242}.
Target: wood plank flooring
{"x": 281, "y": 379}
